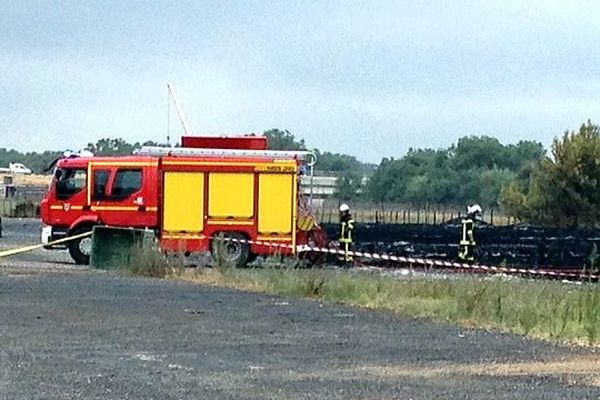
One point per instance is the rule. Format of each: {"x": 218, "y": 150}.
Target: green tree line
{"x": 37, "y": 162}
{"x": 475, "y": 169}
{"x": 557, "y": 188}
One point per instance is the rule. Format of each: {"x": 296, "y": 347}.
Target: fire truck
{"x": 225, "y": 187}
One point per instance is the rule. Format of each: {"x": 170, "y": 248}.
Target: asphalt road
{"x": 19, "y": 232}
{"x": 68, "y": 332}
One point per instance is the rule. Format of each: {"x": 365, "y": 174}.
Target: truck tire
{"x": 80, "y": 249}
{"x": 234, "y": 252}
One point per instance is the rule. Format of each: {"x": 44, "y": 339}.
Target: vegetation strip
{"x": 541, "y": 309}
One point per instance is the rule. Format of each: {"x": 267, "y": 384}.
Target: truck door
{"x": 124, "y": 196}
{"x": 70, "y": 194}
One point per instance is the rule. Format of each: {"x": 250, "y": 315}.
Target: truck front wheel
{"x": 80, "y": 249}
{"x": 230, "y": 248}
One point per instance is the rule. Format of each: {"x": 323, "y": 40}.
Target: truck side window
{"x": 127, "y": 182}
{"x": 70, "y": 181}
{"x": 100, "y": 183}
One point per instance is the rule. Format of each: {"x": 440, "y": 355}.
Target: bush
{"x": 149, "y": 262}
{"x": 26, "y": 209}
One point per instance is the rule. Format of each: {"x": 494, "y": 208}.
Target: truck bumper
{"x": 50, "y": 234}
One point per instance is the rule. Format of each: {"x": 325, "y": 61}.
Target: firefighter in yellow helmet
{"x": 467, "y": 243}
{"x": 346, "y": 231}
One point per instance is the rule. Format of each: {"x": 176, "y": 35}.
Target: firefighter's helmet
{"x": 474, "y": 209}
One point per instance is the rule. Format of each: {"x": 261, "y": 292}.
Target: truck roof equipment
{"x": 308, "y": 157}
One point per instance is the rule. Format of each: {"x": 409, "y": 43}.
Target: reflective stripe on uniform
{"x": 346, "y": 231}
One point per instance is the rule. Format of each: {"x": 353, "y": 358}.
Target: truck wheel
{"x": 234, "y": 252}
{"x": 80, "y": 249}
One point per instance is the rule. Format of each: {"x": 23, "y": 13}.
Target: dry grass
{"x": 213, "y": 277}
{"x": 28, "y": 179}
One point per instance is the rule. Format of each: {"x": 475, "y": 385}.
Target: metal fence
{"x": 411, "y": 216}
{"x": 20, "y": 207}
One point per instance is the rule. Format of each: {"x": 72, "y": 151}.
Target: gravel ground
{"x": 68, "y": 332}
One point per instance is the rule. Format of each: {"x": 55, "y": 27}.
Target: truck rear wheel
{"x": 80, "y": 249}
{"x": 234, "y": 252}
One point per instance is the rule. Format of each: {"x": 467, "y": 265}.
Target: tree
{"x": 522, "y": 156}
{"x": 110, "y": 147}
{"x": 40, "y": 162}
{"x": 336, "y": 163}
{"x": 347, "y": 186}
{"x": 420, "y": 177}
{"x": 477, "y": 152}
{"x": 564, "y": 190}
{"x": 116, "y": 147}
{"x": 283, "y": 140}
{"x": 491, "y": 182}
{"x": 37, "y": 162}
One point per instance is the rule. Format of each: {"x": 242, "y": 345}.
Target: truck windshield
{"x": 70, "y": 181}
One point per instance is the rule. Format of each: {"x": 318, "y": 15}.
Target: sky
{"x": 367, "y": 78}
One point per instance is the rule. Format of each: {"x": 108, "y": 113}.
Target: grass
{"x": 151, "y": 263}
{"x": 541, "y": 309}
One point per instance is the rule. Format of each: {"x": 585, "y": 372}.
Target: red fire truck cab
{"x": 188, "y": 196}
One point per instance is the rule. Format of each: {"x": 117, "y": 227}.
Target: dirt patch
{"x": 29, "y": 179}
{"x": 577, "y": 370}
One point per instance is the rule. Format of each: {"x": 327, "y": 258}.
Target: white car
{"x": 16, "y": 168}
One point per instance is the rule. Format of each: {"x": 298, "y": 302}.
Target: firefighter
{"x": 467, "y": 239}
{"x": 346, "y": 229}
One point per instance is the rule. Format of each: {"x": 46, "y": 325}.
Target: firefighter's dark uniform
{"x": 467, "y": 240}
{"x": 346, "y": 230}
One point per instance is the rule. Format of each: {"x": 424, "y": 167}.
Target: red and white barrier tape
{"x": 429, "y": 263}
